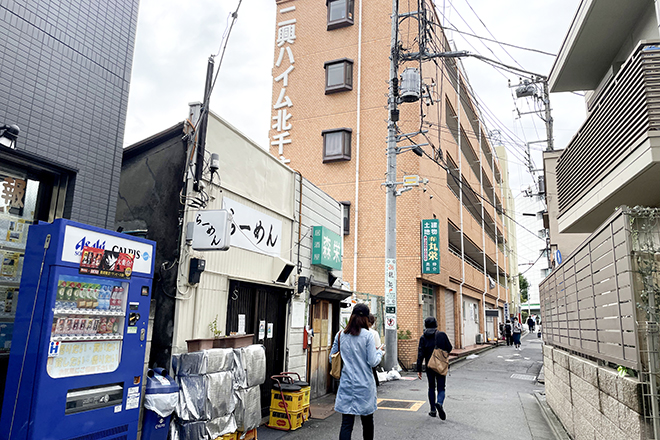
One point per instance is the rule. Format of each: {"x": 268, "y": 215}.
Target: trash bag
{"x": 161, "y": 404}
{"x": 393, "y": 375}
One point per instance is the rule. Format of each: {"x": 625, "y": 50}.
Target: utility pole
{"x": 201, "y": 126}
{"x": 391, "y": 356}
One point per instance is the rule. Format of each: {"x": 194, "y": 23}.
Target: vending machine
{"x": 78, "y": 349}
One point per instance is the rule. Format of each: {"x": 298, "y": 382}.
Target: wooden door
{"x": 321, "y": 345}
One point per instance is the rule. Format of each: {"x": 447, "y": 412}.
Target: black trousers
{"x": 347, "y": 421}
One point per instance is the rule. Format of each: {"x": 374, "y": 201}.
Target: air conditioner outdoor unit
{"x": 480, "y": 338}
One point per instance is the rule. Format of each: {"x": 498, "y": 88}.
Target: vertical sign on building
{"x": 390, "y": 294}
{"x": 430, "y": 246}
{"x": 286, "y": 36}
{"x": 326, "y": 248}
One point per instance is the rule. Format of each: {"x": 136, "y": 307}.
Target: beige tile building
{"x": 330, "y": 85}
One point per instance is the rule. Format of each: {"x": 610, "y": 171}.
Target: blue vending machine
{"x": 77, "y": 355}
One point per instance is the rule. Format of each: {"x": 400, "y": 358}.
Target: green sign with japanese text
{"x": 430, "y": 246}
{"x": 326, "y": 248}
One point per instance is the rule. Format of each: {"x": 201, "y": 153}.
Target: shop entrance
{"x": 262, "y": 309}
{"x": 29, "y": 191}
{"x": 320, "y": 380}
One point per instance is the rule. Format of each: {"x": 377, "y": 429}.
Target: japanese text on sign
{"x": 430, "y": 246}
{"x": 211, "y": 230}
{"x": 286, "y": 36}
{"x": 390, "y": 282}
{"x": 85, "y": 357}
{"x": 12, "y": 194}
{"x": 253, "y": 230}
{"x": 326, "y": 248}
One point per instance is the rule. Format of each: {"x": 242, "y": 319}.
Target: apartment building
{"x": 330, "y": 85}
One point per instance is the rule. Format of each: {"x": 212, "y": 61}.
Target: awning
{"x": 323, "y": 291}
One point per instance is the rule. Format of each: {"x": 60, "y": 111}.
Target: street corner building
{"x": 329, "y": 121}
{"x": 64, "y": 86}
{"x": 277, "y": 280}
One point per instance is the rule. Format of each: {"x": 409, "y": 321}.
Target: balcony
{"x": 614, "y": 159}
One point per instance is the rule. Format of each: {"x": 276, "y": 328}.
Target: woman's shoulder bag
{"x": 439, "y": 361}
{"x": 335, "y": 371}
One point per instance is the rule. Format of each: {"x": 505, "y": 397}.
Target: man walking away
{"x": 429, "y": 341}
{"x": 508, "y": 329}
{"x": 530, "y": 324}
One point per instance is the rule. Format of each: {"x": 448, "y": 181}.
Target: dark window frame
{"x": 346, "y": 216}
{"x": 342, "y": 22}
{"x": 347, "y": 83}
{"x": 345, "y": 153}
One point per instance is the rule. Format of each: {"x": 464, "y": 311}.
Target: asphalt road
{"x": 492, "y": 396}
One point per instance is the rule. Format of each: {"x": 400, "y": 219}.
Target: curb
{"x": 462, "y": 356}
{"x": 550, "y": 417}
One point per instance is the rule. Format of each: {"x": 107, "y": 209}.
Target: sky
{"x": 175, "y": 39}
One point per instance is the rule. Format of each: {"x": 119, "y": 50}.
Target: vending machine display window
{"x": 88, "y": 326}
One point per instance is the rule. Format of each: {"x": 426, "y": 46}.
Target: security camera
{"x": 12, "y": 131}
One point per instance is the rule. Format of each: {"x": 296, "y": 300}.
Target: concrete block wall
{"x": 591, "y": 401}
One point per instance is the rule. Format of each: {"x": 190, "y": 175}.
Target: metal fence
{"x": 604, "y": 301}
{"x": 587, "y": 303}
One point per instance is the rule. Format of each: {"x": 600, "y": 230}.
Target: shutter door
{"x": 449, "y": 316}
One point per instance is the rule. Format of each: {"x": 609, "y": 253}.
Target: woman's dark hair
{"x": 359, "y": 320}
{"x": 372, "y": 319}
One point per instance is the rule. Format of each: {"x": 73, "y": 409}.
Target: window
{"x": 346, "y": 213}
{"x": 336, "y": 144}
{"x": 340, "y": 13}
{"x": 338, "y": 76}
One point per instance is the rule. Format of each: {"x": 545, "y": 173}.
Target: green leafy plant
{"x": 403, "y": 334}
{"x": 213, "y": 326}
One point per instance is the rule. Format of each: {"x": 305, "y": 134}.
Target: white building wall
{"x": 531, "y": 244}
{"x": 254, "y": 178}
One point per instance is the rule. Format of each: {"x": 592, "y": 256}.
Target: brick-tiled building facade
{"x": 330, "y": 86}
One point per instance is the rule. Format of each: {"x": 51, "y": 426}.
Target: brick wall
{"x": 407, "y": 351}
{"x": 591, "y": 401}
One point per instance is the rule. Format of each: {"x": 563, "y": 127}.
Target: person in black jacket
{"x": 429, "y": 341}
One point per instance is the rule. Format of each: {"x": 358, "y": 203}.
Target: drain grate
{"x": 400, "y": 405}
{"x": 523, "y": 377}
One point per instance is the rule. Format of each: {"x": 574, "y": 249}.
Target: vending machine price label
{"x": 131, "y": 330}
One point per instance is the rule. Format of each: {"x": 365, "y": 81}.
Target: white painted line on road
{"x": 523, "y": 377}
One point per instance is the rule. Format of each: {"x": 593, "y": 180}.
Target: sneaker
{"x": 441, "y": 412}
{"x": 432, "y": 413}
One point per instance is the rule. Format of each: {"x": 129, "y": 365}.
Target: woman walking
{"x": 429, "y": 341}
{"x": 357, "y": 389}
{"x": 517, "y": 333}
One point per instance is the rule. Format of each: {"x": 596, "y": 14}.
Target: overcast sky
{"x": 175, "y": 39}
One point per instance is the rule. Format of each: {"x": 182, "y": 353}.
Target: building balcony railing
{"x": 613, "y": 159}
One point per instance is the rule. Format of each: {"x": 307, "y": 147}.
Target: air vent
{"x": 107, "y": 434}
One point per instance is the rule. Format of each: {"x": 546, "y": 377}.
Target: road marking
{"x": 523, "y": 377}
{"x": 400, "y": 405}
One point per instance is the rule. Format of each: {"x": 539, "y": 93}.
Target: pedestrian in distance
{"x": 431, "y": 339}
{"x": 357, "y": 389}
{"x": 530, "y": 324}
{"x": 372, "y": 321}
{"x": 517, "y": 333}
{"x": 502, "y": 334}
{"x": 508, "y": 332}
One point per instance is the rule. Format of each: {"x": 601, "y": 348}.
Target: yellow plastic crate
{"x": 305, "y": 412}
{"x": 250, "y": 435}
{"x": 293, "y": 400}
{"x": 232, "y": 436}
{"x": 306, "y": 393}
{"x": 279, "y": 420}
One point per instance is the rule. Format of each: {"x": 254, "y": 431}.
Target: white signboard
{"x": 241, "y": 325}
{"x": 506, "y": 311}
{"x": 253, "y": 230}
{"x": 390, "y": 321}
{"x": 75, "y": 239}
{"x": 262, "y": 330}
{"x": 84, "y": 357}
{"x": 211, "y": 230}
{"x": 390, "y": 282}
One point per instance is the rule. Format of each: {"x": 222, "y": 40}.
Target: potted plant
{"x": 205, "y": 343}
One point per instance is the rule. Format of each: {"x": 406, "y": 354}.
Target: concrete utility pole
{"x": 391, "y": 356}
